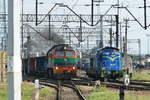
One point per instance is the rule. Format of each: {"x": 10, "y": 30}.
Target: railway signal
{"x": 126, "y": 80}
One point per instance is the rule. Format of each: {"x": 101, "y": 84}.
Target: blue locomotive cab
{"x": 109, "y": 59}
{"x": 106, "y": 63}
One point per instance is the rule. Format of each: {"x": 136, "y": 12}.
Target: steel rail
{"x": 55, "y": 87}
{"x": 133, "y": 87}
{"x": 71, "y": 84}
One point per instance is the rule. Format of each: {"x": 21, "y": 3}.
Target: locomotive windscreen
{"x": 60, "y": 53}
{"x": 69, "y": 53}
{"x": 65, "y": 53}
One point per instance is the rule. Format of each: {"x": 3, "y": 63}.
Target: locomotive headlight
{"x": 56, "y": 68}
{"x": 65, "y": 48}
{"x": 74, "y": 68}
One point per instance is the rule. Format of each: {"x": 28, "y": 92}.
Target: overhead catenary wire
{"x": 62, "y": 5}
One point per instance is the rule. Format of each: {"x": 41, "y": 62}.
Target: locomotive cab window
{"x": 69, "y": 53}
{"x": 60, "y": 53}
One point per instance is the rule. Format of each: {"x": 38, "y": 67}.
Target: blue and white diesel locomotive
{"x": 106, "y": 63}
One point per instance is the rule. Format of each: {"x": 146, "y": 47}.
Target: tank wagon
{"x": 106, "y": 63}
{"x": 62, "y": 62}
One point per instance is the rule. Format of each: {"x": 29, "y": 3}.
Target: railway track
{"x": 142, "y": 83}
{"x": 56, "y": 87}
{"x": 148, "y": 81}
{"x": 134, "y": 86}
{"x": 66, "y": 90}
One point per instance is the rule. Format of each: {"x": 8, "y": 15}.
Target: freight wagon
{"x": 35, "y": 65}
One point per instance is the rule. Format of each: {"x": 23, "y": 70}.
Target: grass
{"x": 141, "y": 75}
{"x": 46, "y": 92}
{"x": 3, "y": 91}
{"x": 27, "y": 91}
{"x": 136, "y": 96}
{"x": 103, "y": 93}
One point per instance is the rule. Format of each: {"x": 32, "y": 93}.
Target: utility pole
{"x": 117, "y": 27}
{"x": 139, "y": 43}
{"x": 2, "y": 43}
{"x": 28, "y": 52}
{"x": 126, "y": 31}
{"x": 120, "y": 38}
{"x": 117, "y": 31}
{"x": 101, "y": 33}
{"x": 69, "y": 38}
{"x": 80, "y": 36}
{"x": 148, "y": 45}
{"x": 92, "y": 11}
{"x": 36, "y": 12}
{"x": 118, "y": 8}
{"x": 87, "y": 42}
{"x": 145, "y": 18}
{"x": 22, "y": 30}
{"x": 4, "y": 4}
{"x": 148, "y": 35}
{"x": 14, "y": 58}
{"x": 49, "y": 26}
{"x": 80, "y": 31}
{"x": 125, "y": 41}
{"x": 110, "y": 31}
{"x": 22, "y": 40}
{"x": 145, "y": 14}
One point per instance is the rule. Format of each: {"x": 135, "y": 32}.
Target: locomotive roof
{"x": 110, "y": 48}
{"x": 60, "y": 47}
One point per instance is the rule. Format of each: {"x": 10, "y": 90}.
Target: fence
{"x": 3, "y": 66}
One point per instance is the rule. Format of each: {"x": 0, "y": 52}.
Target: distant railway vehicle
{"x": 62, "y": 61}
{"x": 106, "y": 63}
{"x": 85, "y": 63}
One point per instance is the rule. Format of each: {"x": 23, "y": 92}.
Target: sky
{"x": 134, "y": 30}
